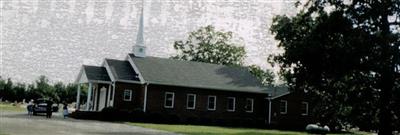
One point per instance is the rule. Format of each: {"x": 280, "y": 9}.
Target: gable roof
{"x": 278, "y": 91}
{"x": 122, "y": 70}
{"x": 95, "y": 73}
{"x": 164, "y": 71}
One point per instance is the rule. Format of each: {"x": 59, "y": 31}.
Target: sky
{"x": 56, "y": 37}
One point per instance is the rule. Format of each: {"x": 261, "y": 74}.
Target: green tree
{"x": 66, "y": 93}
{"x": 44, "y": 89}
{"x": 2, "y": 84}
{"x": 8, "y": 93}
{"x": 346, "y": 53}
{"x": 60, "y": 92}
{"x": 32, "y": 93}
{"x": 20, "y": 92}
{"x": 211, "y": 46}
{"x": 265, "y": 76}
{"x": 71, "y": 92}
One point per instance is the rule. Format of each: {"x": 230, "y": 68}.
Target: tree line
{"x": 40, "y": 88}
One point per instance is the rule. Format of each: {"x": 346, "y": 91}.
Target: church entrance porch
{"x": 99, "y": 96}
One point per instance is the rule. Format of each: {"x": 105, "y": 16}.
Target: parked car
{"x": 317, "y": 129}
{"x": 40, "y": 106}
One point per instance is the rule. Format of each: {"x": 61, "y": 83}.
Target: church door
{"x": 103, "y": 96}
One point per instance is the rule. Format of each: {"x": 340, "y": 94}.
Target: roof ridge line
{"x": 114, "y": 59}
{"x": 91, "y": 65}
{"x": 231, "y": 66}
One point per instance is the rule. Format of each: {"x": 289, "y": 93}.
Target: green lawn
{"x": 1, "y": 133}
{"x": 10, "y": 107}
{"x": 215, "y": 130}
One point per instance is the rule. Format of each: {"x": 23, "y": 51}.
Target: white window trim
{"x": 194, "y": 101}
{"x": 252, "y": 105}
{"x": 130, "y": 95}
{"x": 165, "y": 99}
{"x": 215, "y": 103}
{"x": 285, "y": 112}
{"x": 302, "y": 113}
{"x": 234, "y": 104}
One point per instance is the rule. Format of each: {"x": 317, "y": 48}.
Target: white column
{"x": 269, "y": 111}
{"x": 89, "y": 96}
{"x": 78, "y": 97}
{"x": 145, "y": 97}
{"x": 113, "y": 94}
{"x": 109, "y": 96}
{"x": 95, "y": 94}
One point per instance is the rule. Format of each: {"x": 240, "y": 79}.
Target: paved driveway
{"x": 18, "y": 123}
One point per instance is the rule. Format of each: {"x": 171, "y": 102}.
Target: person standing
{"x": 30, "y": 108}
{"x": 49, "y": 109}
{"x": 65, "y": 110}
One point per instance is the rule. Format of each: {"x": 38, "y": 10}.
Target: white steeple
{"x": 139, "y": 50}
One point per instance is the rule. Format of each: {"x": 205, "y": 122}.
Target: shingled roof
{"x": 95, "y": 73}
{"x": 122, "y": 70}
{"x": 278, "y": 91}
{"x": 164, "y": 71}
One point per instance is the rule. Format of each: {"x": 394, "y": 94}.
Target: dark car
{"x": 40, "y": 106}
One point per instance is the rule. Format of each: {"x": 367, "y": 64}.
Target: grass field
{"x": 215, "y": 130}
{"x": 10, "y": 107}
{"x": 1, "y": 133}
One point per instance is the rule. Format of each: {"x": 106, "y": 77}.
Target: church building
{"x": 189, "y": 91}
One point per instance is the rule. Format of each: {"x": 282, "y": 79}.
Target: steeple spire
{"x": 139, "y": 49}
{"x": 140, "y": 37}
